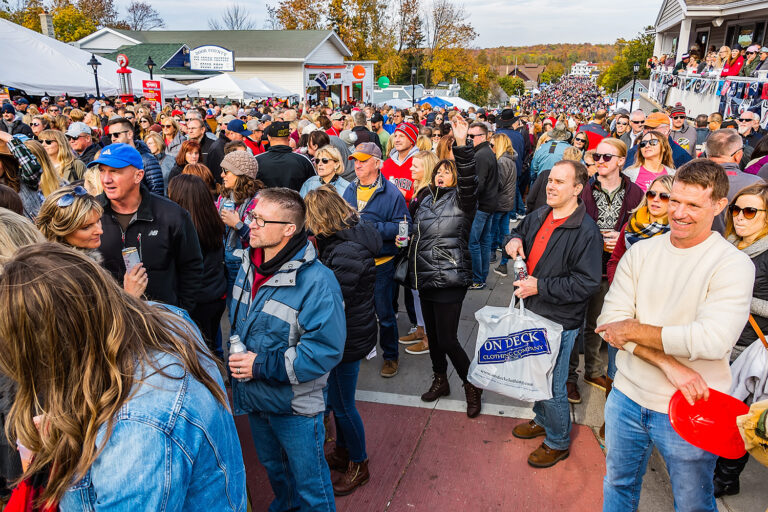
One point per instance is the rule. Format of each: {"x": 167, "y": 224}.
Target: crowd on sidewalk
{"x": 127, "y": 234}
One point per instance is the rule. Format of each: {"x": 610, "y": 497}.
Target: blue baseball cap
{"x": 238, "y": 126}
{"x": 119, "y": 156}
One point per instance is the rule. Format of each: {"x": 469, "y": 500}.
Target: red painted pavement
{"x": 428, "y": 461}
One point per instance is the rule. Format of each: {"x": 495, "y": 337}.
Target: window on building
{"x": 745, "y": 34}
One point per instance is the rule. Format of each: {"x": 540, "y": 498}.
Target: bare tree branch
{"x": 141, "y": 16}
{"x": 235, "y": 17}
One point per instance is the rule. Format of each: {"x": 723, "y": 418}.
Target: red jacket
{"x": 733, "y": 70}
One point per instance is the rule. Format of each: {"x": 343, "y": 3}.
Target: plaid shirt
{"x": 30, "y": 168}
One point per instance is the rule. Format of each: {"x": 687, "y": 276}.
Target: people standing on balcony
{"x": 722, "y": 57}
{"x": 762, "y": 64}
{"x": 682, "y": 65}
{"x": 708, "y": 65}
{"x": 733, "y": 64}
{"x": 750, "y": 61}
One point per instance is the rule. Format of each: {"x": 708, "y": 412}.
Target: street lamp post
{"x": 150, "y": 65}
{"x": 95, "y": 65}
{"x": 617, "y": 93}
{"x": 413, "y": 85}
{"x": 635, "y": 69}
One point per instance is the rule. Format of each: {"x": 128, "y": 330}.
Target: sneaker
{"x": 520, "y": 216}
{"x": 477, "y": 286}
{"x": 389, "y": 369}
{"x": 421, "y": 347}
{"x": 413, "y": 337}
{"x": 501, "y": 269}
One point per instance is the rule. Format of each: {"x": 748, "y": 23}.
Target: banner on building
{"x": 211, "y": 58}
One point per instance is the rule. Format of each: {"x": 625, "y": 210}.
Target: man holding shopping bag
{"x": 563, "y": 249}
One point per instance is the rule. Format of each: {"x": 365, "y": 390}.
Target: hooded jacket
{"x": 153, "y": 173}
{"x": 163, "y": 233}
{"x": 350, "y": 253}
{"x": 568, "y": 272}
{"x": 507, "y": 182}
{"x": 686, "y": 138}
{"x": 439, "y": 251}
{"x": 547, "y": 155}
{"x": 295, "y": 324}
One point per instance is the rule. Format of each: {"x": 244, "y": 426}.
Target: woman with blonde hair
{"x": 424, "y": 143}
{"x": 156, "y": 146}
{"x": 443, "y": 150}
{"x": 94, "y": 123}
{"x": 505, "y": 159}
{"x": 653, "y": 159}
{"x": 423, "y": 166}
{"x": 722, "y": 57}
{"x": 113, "y": 397}
{"x": 329, "y": 166}
{"x": 63, "y": 159}
{"x": 348, "y": 247}
{"x": 49, "y": 179}
{"x": 72, "y": 217}
{"x": 172, "y": 136}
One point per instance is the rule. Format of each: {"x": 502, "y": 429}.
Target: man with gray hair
{"x": 382, "y": 204}
{"x": 361, "y": 130}
{"x": 749, "y": 128}
{"x": 726, "y": 148}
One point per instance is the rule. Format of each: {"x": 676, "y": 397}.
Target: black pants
{"x": 441, "y": 321}
{"x": 727, "y": 471}
{"x": 207, "y": 316}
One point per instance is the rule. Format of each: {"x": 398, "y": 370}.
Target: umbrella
{"x": 435, "y": 101}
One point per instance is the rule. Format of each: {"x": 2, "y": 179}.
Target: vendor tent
{"x": 228, "y": 86}
{"x": 40, "y": 65}
{"x": 396, "y": 102}
{"x": 435, "y": 102}
{"x": 459, "y": 103}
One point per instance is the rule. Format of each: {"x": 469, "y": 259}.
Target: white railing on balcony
{"x": 709, "y": 93}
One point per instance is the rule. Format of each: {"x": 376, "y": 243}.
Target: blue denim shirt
{"x": 173, "y": 447}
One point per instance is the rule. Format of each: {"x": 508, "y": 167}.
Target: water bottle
{"x": 237, "y": 347}
{"x": 519, "y": 269}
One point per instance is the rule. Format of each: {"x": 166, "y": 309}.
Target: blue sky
{"x": 498, "y": 22}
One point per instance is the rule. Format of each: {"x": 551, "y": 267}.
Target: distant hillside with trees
{"x": 542, "y": 54}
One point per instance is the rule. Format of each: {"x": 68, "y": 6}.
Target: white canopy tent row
{"x": 40, "y": 65}
{"x": 232, "y": 87}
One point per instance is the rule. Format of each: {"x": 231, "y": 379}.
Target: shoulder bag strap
{"x": 754, "y": 325}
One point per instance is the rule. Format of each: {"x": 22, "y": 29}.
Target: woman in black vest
{"x": 439, "y": 263}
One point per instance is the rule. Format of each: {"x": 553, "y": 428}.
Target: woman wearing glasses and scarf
{"x": 746, "y": 228}
{"x": 653, "y": 159}
{"x": 72, "y": 217}
{"x": 329, "y": 167}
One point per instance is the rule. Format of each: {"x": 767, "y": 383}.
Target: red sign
{"x": 358, "y": 71}
{"x": 152, "y": 92}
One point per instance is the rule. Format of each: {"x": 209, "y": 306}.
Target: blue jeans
{"x": 631, "y": 431}
{"x": 555, "y": 414}
{"x": 383, "y": 296}
{"x": 519, "y": 205}
{"x": 233, "y": 264}
{"x": 291, "y": 450}
{"x": 612, "y": 361}
{"x": 480, "y": 245}
{"x": 350, "y": 432}
{"x": 499, "y": 230}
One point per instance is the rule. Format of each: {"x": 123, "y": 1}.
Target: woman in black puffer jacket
{"x": 347, "y": 246}
{"x": 440, "y": 266}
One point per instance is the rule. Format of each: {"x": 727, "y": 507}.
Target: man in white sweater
{"x": 675, "y": 309}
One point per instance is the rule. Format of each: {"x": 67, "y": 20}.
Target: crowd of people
{"x": 301, "y": 225}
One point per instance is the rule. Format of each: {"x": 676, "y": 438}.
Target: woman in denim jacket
{"x": 120, "y": 399}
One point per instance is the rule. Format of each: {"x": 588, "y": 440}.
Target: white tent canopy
{"x": 40, "y": 65}
{"x": 461, "y": 103}
{"x": 228, "y": 86}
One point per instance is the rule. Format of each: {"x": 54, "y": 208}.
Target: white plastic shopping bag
{"x": 515, "y": 352}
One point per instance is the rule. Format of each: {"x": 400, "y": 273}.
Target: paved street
{"x": 431, "y": 457}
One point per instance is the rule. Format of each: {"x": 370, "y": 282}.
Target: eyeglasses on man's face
{"x": 261, "y": 222}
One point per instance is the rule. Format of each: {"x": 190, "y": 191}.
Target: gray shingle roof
{"x": 277, "y": 44}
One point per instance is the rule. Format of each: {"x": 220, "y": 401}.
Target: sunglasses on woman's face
{"x": 749, "y": 212}
{"x": 583, "y": 141}
{"x": 47, "y": 142}
{"x": 323, "y": 160}
{"x": 651, "y": 194}
{"x": 35, "y": 124}
{"x": 650, "y": 142}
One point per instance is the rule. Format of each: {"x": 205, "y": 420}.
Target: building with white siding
{"x": 289, "y": 58}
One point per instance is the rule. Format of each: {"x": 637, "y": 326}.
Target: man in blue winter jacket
{"x": 288, "y": 310}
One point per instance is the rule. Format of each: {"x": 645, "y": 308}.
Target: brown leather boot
{"x": 338, "y": 459}
{"x": 545, "y": 457}
{"x": 413, "y": 337}
{"x": 356, "y": 475}
{"x": 528, "y": 430}
{"x": 438, "y": 388}
{"x": 473, "y": 399}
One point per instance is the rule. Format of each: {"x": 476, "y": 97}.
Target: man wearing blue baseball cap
{"x": 160, "y": 230}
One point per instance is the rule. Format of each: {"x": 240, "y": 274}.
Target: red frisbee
{"x": 710, "y": 425}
